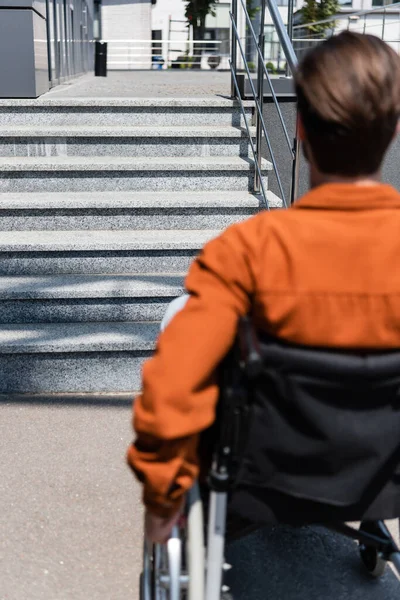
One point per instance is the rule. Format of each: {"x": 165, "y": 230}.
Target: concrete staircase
{"x": 103, "y": 205}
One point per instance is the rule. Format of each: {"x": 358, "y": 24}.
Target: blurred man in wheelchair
{"x": 324, "y": 273}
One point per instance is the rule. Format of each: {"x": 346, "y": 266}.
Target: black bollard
{"x": 100, "y": 59}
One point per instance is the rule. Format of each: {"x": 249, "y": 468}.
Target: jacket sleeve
{"x": 180, "y": 392}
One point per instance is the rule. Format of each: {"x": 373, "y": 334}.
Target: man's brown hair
{"x": 348, "y": 91}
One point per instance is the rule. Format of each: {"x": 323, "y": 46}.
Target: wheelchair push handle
{"x": 249, "y": 347}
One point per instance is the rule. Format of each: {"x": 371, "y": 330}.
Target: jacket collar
{"x": 347, "y": 196}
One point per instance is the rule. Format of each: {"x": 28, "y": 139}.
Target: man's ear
{"x": 300, "y": 128}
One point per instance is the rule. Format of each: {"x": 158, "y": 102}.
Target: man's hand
{"x": 157, "y": 530}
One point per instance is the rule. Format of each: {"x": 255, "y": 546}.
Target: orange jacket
{"x": 325, "y": 272}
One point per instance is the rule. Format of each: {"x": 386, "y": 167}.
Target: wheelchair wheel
{"x": 175, "y": 571}
{"x": 371, "y": 557}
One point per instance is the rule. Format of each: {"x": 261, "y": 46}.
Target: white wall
{"x": 126, "y": 26}
{"x": 386, "y": 27}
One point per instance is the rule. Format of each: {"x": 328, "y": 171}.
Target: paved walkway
{"x": 178, "y": 83}
{"x": 71, "y": 519}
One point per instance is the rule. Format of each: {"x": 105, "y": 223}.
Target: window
{"x": 381, "y": 2}
{"x": 220, "y": 36}
{"x": 286, "y": 3}
{"x": 156, "y": 36}
{"x": 272, "y": 45}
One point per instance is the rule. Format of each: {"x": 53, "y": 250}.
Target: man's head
{"x": 348, "y": 92}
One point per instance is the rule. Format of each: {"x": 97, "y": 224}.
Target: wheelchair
{"x": 302, "y": 436}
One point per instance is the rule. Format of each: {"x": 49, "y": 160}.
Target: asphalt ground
{"x": 71, "y": 518}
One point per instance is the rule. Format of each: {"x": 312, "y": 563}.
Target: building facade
{"x": 137, "y": 31}
{"x": 43, "y": 43}
{"x": 144, "y": 33}
{"x": 376, "y": 17}
{"x": 70, "y": 38}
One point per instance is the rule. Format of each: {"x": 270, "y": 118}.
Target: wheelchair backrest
{"x": 324, "y": 424}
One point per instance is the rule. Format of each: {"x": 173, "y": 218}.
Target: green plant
{"x": 270, "y": 68}
{"x": 196, "y": 12}
{"x": 313, "y": 11}
{"x": 252, "y": 66}
{"x": 252, "y": 10}
{"x": 184, "y": 61}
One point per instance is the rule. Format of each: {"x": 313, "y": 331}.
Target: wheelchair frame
{"x": 188, "y": 566}
{"x": 183, "y": 565}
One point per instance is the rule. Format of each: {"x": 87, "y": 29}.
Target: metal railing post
{"x": 260, "y": 95}
{"x": 290, "y": 29}
{"x": 383, "y": 24}
{"x": 284, "y": 39}
{"x": 294, "y": 188}
{"x": 233, "y": 46}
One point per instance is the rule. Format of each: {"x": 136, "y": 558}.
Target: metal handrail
{"x": 246, "y": 122}
{"x": 271, "y": 87}
{"x": 261, "y": 123}
{"x": 259, "y": 94}
{"x": 283, "y": 36}
{"x": 346, "y": 15}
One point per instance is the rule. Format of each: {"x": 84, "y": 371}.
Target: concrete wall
{"x": 23, "y": 49}
{"x": 391, "y": 171}
{"x": 280, "y": 147}
{"x": 43, "y": 43}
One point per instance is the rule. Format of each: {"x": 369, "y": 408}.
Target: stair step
{"x": 97, "y": 241}
{"x": 34, "y": 141}
{"x": 103, "y": 205}
{"x": 87, "y": 298}
{"x": 102, "y": 251}
{"x": 124, "y": 210}
{"x": 124, "y": 111}
{"x": 126, "y": 200}
{"x": 141, "y": 285}
{"x": 78, "y": 337}
{"x": 119, "y": 131}
{"x": 75, "y": 174}
{"x": 74, "y": 357}
{"x": 98, "y": 104}
{"x": 135, "y": 163}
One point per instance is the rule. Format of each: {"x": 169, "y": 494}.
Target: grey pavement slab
{"x": 138, "y": 240}
{"x": 113, "y": 210}
{"x": 73, "y": 179}
{"x": 143, "y": 199}
{"x": 145, "y": 285}
{"x": 32, "y": 338}
{"x": 94, "y": 103}
{"x": 165, "y": 83}
{"x": 42, "y": 262}
{"x": 121, "y": 219}
{"x": 73, "y": 131}
{"x": 125, "y": 146}
{"x": 82, "y": 310}
{"x": 30, "y": 141}
{"x": 61, "y": 372}
{"x": 120, "y": 112}
{"x": 71, "y": 519}
{"x": 131, "y": 163}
